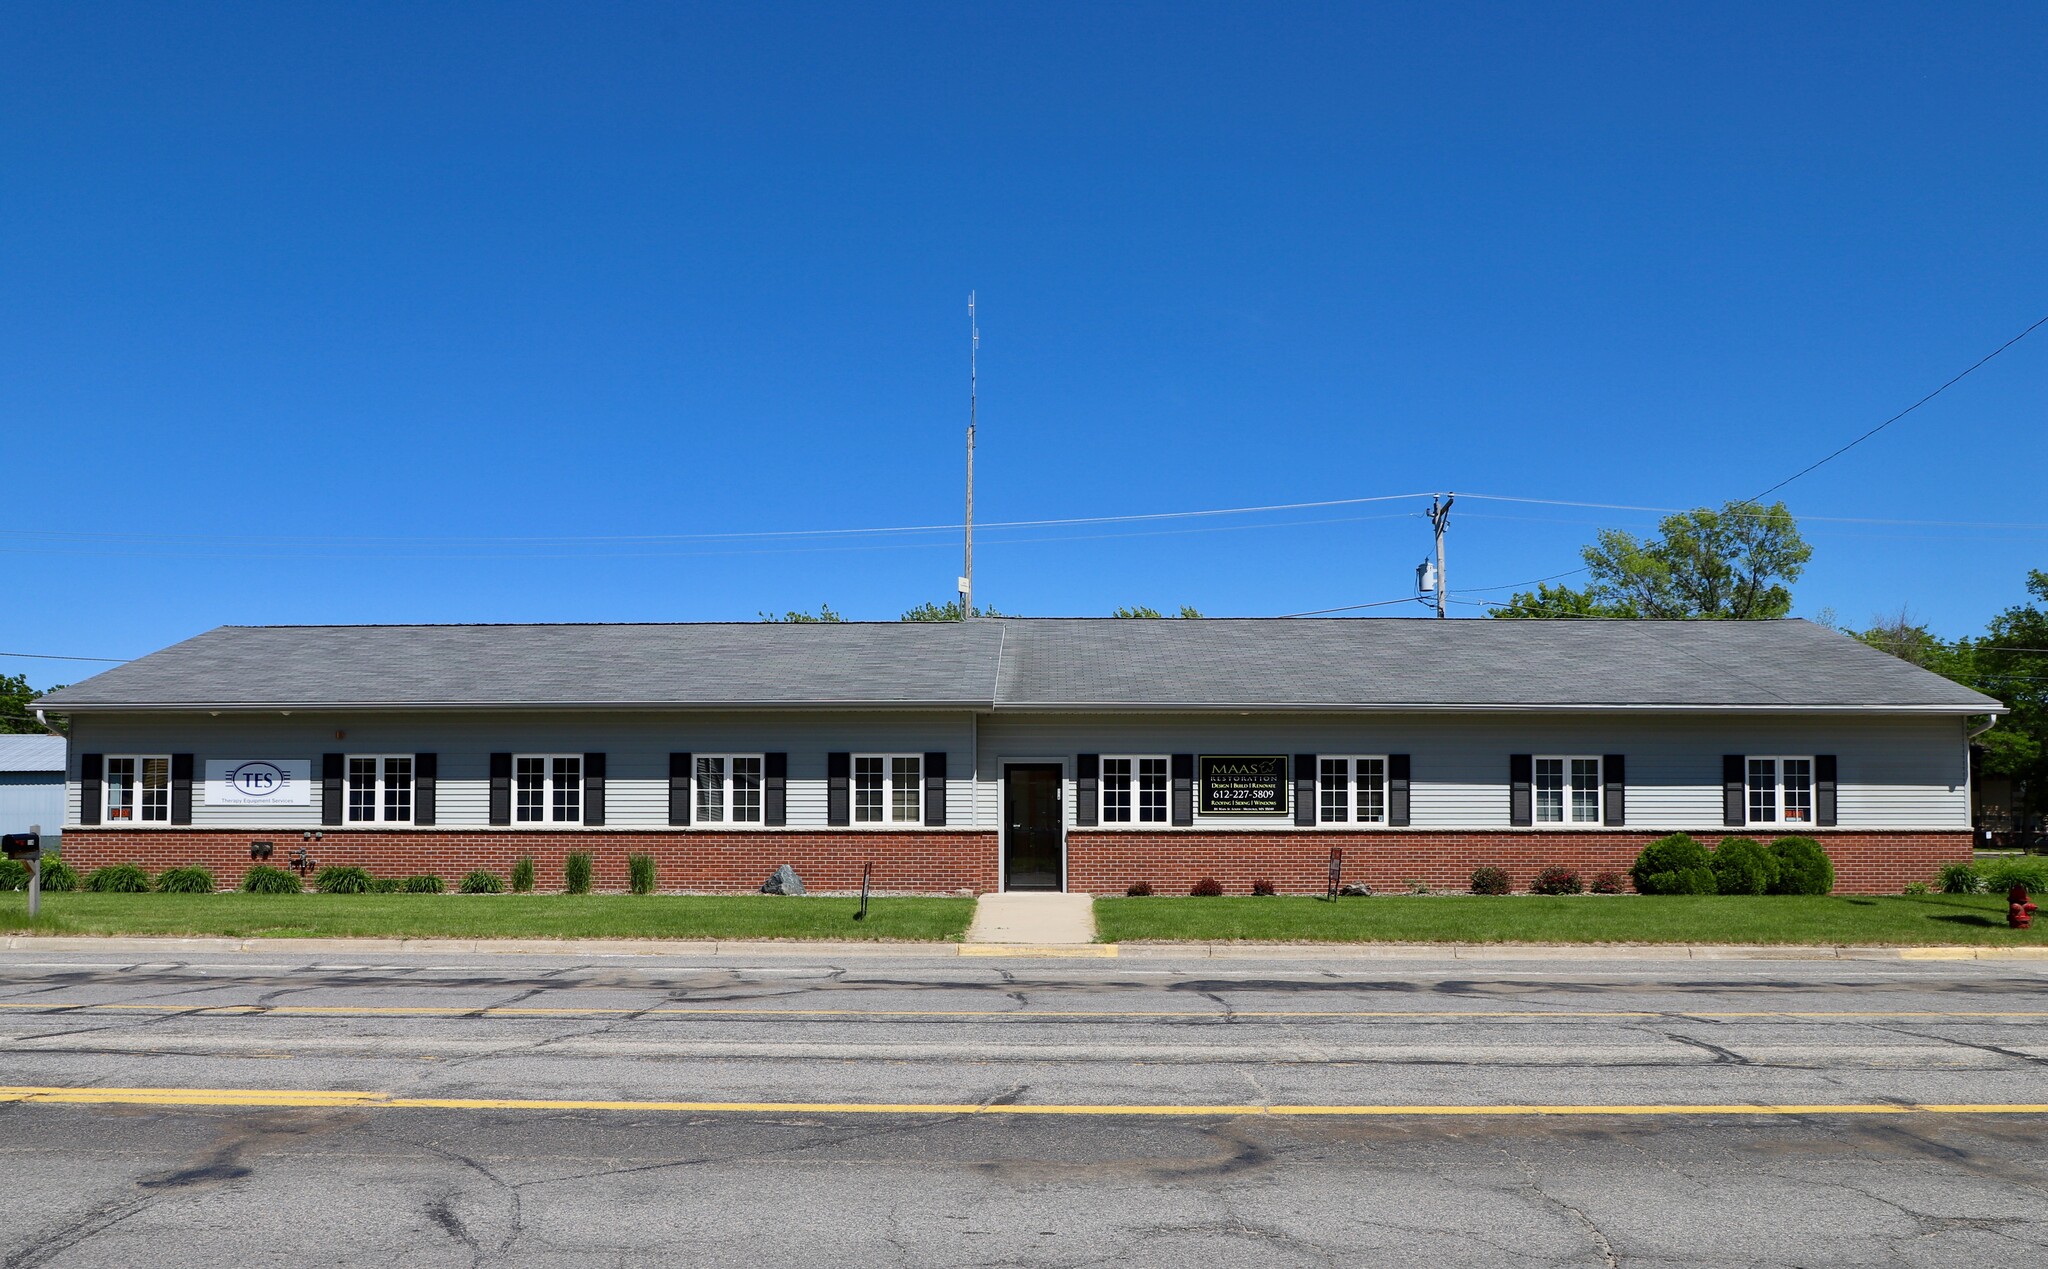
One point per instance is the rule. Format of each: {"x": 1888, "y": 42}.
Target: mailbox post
{"x": 28, "y": 847}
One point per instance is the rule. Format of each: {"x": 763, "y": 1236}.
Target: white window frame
{"x": 380, "y": 787}
{"x": 135, "y": 804}
{"x": 1567, "y": 818}
{"x": 1352, "y": 818}
{"x": 727, "y": 783}
{"x": 1134, "y": 809}
{"x": 548, "y": 788}
{"x": 890, "y": 790}
{"x": 1778, "y": 762}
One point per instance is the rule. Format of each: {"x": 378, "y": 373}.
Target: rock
{"x": 785, "y": 881}
{"x": 1356, "y": 890}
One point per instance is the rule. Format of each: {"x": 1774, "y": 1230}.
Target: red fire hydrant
{"x": 2019, "y": 912}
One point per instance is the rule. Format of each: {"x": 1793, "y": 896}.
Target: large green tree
{"x": 16, "y": 718}
{"x": 824, "y": 614}
{"x": 1188, "y": 611}
{"x": 948, "y": 611}
{"x": 1734, "y": 563}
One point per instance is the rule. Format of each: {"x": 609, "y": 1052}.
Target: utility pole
{"x": 973, "y": 367}
{"x": 1439, "y": 514}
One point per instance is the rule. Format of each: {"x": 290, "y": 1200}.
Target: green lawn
{"x": 491, "y": 916}
{"x": 1937, "y": 918}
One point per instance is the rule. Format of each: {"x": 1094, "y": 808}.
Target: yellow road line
{"x": 359, "y": 1099}
{"x": 1020, "y": 1015}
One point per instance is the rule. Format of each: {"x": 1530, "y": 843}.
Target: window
{"x": 1351, "y": 790}
{"x": 380, "y": 788}
{"x": 1781, "y": 790}
{"x": 888, "y": 788}
{"x": 729, "y": 788}
{"x": 547, "y": 787}
{"x": 1567, "y": 790}
{"x": 138, "y": 789}
{"x": 1134, "y": 790}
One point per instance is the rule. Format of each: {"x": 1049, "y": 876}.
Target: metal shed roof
{"x": 31, "y": 753}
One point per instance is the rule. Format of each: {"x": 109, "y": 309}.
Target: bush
{"x": 425, "y": 883}
{"x": 1490, "y": 881}
{"x": 1416, "y": 885}
{"x": 2001, "y": 875}
{"x": 1673, "y": 865}
{"x": 1803, "y": 867}
{"x": 13, "y": 875}
{"x": 1610, "y": 882}
{"x": 264, "y": 879}
{"x": 1207, "y": 888}
{"x": 1960, "y": 879}
{"x": 1139, "y": 889}
{"x": 58, "y": 875}
{"x": 640, "y": 873}
{"x": 1742, "y": 866}
{"x": 188, "y": 880}
{"x": 118, "y": 879}
{"x": 387, "y": 885}
{"x": 576, "y": 873}
{"x": 483, "y": 881}
{"x": 1263, "y": 888}
{"x": 342, "y": 879}
{"x": 1556, "y": 879}
{"x": 1916, "y": 887}
{"x": 522, "y": 875}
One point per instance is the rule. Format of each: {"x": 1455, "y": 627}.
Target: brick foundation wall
{"x": 1106, "y": 862}
{"x": 734, "y": 862}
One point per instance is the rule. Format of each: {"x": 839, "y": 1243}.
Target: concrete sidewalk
{"x": 1033, "y": 918}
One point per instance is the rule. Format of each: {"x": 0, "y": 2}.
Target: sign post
{"x": 867, "y": 875}
{"x": 1336, "y": 870}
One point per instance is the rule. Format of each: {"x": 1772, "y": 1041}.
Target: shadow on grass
{"x": 1969, "y": 918}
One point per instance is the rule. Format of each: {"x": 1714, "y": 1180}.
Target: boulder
{"x": 1356, "y": 890}
{"x": 785, "y": 881}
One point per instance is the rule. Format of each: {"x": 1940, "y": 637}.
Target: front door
{"x": 1031, "y": 826}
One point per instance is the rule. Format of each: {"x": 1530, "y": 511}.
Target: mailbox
{"x": 22, "y": 845}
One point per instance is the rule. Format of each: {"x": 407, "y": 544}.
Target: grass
{"x": 1829, "y": 919}
{"x": 491, "y": 916}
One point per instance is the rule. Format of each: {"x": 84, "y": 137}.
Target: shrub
{"x": 58, "y": 875}
{"x": 387, "y": 885}
{"x": 1673, "y": 865}
{"x": 1416, "y": 885}
{"x": 1609, "y": 882}
{"x": 264, "y": 879}
{"x": 1207, "y": 888}
{"x": 483, "y": 881}
{"x": 576, "y": 873}
{"x": 342, "y": 879}
{"x": 1490, "y": 881}
{"x": 118, "y": 879}
{"x": 1803, "y": 867}
{"x": 522, "y": 875}
{"x": 188, "y": 880}
{"x": 640, "y": 874}
{"x": 2001, "y": 875}
{"x": 13, "y": 875}
{"x": 1263, "y": 888}
{"x": 1139, "y": 889}
{"x": 1742, "y": 866}
{"x": 424, "y": 883}
{"x": 1556, "y": 879}
{"x": 1960, "y": 879}
{"x": 1916, "y": 887}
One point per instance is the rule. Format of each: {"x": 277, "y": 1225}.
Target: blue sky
{"x": 495, "y": 311}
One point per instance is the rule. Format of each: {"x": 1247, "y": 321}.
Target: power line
{"x": 46, "y": 656}
{"x": 1382, "y": 603}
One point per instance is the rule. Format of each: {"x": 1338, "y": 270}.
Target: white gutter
{"x": 1990, "y": 721}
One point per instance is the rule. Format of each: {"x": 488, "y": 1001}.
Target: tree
{"x": 1187, "y": 611}
{"x": 1729, "y": 564}
{"x": 948, "y": 611}
{"x": 16, "y": 718}
{"x": 824, "y": 614}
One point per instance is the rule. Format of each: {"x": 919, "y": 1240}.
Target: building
{"x": 32, "y": 785}
{"x": 1088, "y": 754}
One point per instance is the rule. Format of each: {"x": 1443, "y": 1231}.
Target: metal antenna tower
{"x": 973, "y": 387}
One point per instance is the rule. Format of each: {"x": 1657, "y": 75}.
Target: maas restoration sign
{"x": 1243, "y": 784}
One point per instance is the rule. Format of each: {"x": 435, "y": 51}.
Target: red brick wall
{"x": 1107, "y": 861}
{"x": 929, "y": 862}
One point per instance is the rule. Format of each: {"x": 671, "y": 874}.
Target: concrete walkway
{"x": 1033, "y": 918}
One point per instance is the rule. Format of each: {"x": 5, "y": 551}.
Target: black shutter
{"x": 1183, "y": 789}
{"x": 775, "y": 789}
{"x": 426, "y": 781}
{"x": 92, "y": 774}
{"x": 181, "y": 788}
{"x": 1305, "y": 790}
{"x": 838, "y": 789}
{"x": 1520, "y": 801}
{"x": 1734, "y": 799}
{"x": 330, "y": 787}
{"x": 679, "y": 804}
{"x": 1824, "y": 790}
{"x": 935, "y": 789}
{"x": 1614, "y": 770}
{"x": 501, "y": 788}
{"x": 1087, "y": 789}
{"x": 1397, "y": 790}
{"x": 593, "y": 789}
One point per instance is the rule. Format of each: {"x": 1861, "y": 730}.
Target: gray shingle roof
{"x": 1033, "y": 663}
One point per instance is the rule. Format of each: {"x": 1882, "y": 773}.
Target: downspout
{"x": 1990, "y": 721}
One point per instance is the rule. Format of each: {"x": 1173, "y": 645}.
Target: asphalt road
{"x": 895, "y": 1111}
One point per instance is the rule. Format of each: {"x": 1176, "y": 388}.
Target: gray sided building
{"x": 1085, "y": 754}
{"x": 32, "y": 786}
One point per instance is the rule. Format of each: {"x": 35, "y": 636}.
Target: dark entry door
{"x": 1031, "y": 826}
